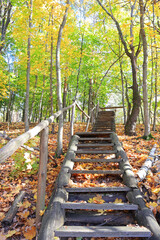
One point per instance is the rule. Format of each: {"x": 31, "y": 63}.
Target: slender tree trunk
{"x": 156, "y": 71}
{"x": 156, "y": 92}
{"x": 51, "y": 66}
{"x": 41, "y": 100}
{"x": 28, "y": 69}
{"x": 90, "y": 96}
{"x": 79, "y": 68}
{"x": 59, "y": 91}
{"x": 152, "y": 72}
{"x": 33, "y": 98}
{"x": 65, "y": 97}
{"x": 123, "y": 97}
{"x": 145, "y": 65}
{"x": 130, "y": 127}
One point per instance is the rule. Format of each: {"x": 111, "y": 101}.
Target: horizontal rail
{"x": 14, "y": 144}
{"x": 111, "y": 107}
{"x": 82, "y": 110}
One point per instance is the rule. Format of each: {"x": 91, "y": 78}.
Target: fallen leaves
{"x": 97, "y": 199}
{"x": 30, "y": 233}
{"x": 24, "y": 223}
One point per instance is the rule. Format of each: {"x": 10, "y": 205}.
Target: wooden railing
{"x": 43, "y": 129}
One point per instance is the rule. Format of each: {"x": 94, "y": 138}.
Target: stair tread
{"x": 104, "y": 206}
{"x": 96, "y": 151}
{"x": 99, "y": 189}
{"x": 114, "y": 172}
{"x": 97, "y": 160}
{"x": 94, "y": 139}
{"x": 95, "y": 144}
{"x": 102, "y": 231}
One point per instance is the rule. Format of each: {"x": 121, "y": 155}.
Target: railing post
{"x": 42, "y": 174}
{"x": 72, "y": 121}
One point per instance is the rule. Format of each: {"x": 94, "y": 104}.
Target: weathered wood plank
{"x": 99, "y": 189}
{"x": 97, "y": 160}
{"x": 104, "y": 206}
{"x": 128, "y": 176}
{"x": 94, "y": 139}
{"x": 109, "y": 218}
{"x": 107, "y": 197}
{"x": 95, "y": 145}
{"x": 42, "y": 174}
{"x": 102, "y": 231}
{"x": 109, "y": 172}
{"x": 95, "y": 151}
{"x": 92, "y": 133}
{"x": 13, "y": 210}
{"x": 142, "y": 173}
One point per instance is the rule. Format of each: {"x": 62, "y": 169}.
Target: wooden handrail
{"x": 111, "y": 107}
{"x": 14, "y": 144}
{"x": 82, "y": 110}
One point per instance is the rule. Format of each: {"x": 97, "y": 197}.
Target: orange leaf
{"x": 23, "y": 214}
{"x": 30, "y": 233}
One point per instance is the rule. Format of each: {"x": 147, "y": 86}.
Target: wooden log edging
{"x": 13, "y": 210}
{"x": 143, "y": 215}
{"x": 54, "y": 216}
{"x": 142, "y": 173}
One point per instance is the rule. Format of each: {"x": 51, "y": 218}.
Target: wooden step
{"x": 119, "y": 218}
{"x": 104, "y": 206}
{"x": 95, "y": 145}
{"x": 92, "y": 133}
{"x": 108, "y": 172}
{"x": 95, "y": 151}
{"x": 98, "y": 189}
{"x": 94, "y": 139}
{"x": 114, "y": 160}
{"x": 102, "y": 231}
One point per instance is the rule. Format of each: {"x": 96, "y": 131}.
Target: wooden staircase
{"x": 82, "y": 218}
{"x": 105, "y": 121}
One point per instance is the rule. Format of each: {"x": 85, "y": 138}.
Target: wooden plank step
{"x": 94, "y": 206}
{"x": 94, "y": 139}
{"x": 97, "y": 160}
{"x": 98, "y": 189}
{"x": 95, "y": 145}
{"x": 92, "y": 133}
{"x": 102, "y": 231}
{"x": 95, "y": 151}
{"x": 109, "y": 172}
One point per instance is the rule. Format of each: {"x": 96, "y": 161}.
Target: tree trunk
{"x": 65, "y": 97}
{"x": 59, "y": 91}
{"x": 123, "y": 98}
{"x": 28, "y": 69}
{"x": 156, "y": 72}
{"x": 51, "y": 66}
{"x": 41, "y": 100}
{"x": 33, "y": 99}
{"x": 145, "y": 65}
{"x": 130, "y": 127}
{"x": 5, "y": 17}
{"x": 152, "y": 72}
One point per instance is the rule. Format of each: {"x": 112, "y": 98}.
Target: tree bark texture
{"x": 28, "y": 70}
{"x": 5, "y": 17}
{"x": 145, "y": 65}
{"x": 59, "y": 90}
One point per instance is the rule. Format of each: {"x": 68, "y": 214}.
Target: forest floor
{"x": 19, "y": 173}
